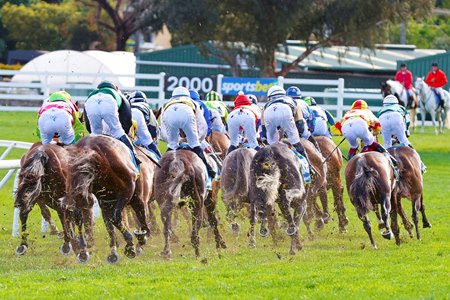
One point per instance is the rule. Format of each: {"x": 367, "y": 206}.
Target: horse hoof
{"x": 263, "y": 232}
{"x": 113, "y": 258}
{"x": 235, "y": 228}
{"x": 21, "y": 250}
{"x": 326, "y": 218}
{"x": 292, "y": 252}
{"x": 381, "y": 226}
{"x": 139, "y": 251}
{"x": 65, "y": 249}
{"x": 222, "y": 245}
{"x": 140, "y": 232}
{"x": 319, "y": 224}
{"x": 130, "y": 252}
{"x": 387, "y": 235}
{"x": 291, "y": 230}
{"x": 426, "y": 225}
{"x": 342, "y": 230}
{"x": 60, "y": 235}
{"x": 374, "y": 247}
{"x": 166, "y": 254}
{"x": 83, "y": 257}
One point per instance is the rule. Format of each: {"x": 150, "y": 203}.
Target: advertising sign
{"x": 255, "y": 86}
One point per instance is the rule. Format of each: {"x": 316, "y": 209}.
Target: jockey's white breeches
{"x": 180, "y": 116}
{"x": 393, "y": 123}
{"x": 216, "y": 121}
{"x": 280, "y": 115}
{"x": 56, "y": 121}
{"x": 357, "y": 128}
{"x": 321, "y": 127}
{"x": 242, "y": 121}
{"x": 102, "y": 107}
{"x": 144, "y": 136}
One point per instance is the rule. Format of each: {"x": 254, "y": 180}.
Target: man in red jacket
{"x": 436, "y": 79}
{"x": 404, "y": 76}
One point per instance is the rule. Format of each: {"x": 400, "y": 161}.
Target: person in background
{"x": 405, "y": 77}
{"x": 436, "y": 79}
{"x": 218, "y": 110}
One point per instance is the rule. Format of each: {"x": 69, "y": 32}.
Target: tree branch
{"x": 287, "y": 68}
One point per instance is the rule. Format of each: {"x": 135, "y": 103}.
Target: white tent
{"x": 88, "y": 67}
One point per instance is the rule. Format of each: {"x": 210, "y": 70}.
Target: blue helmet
{"x": 294, "y": 92}
{"x": 253, "y": 98}
{"x": 137, "y": 96}
{"x": 194, "y": 94}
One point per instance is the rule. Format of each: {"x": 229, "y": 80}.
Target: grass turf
{"x": 332, "y": 266}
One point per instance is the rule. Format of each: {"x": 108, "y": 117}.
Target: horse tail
{"x": 267, "y": 175}
{"x": 31, "y": 173}
{"x": 363, "y": 186}
{"x": 240, "y": 186}
{"x": 83, "y": 169}
{"x": 178, "y": 172}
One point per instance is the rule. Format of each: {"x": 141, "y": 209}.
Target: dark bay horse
{"x": 102, "y": 165}
{"x": 275, "y": 178}
{"x": 409, "y": 186}
{"x": 220, "y": 142}
{"x": 333, "y": 156}
{"x": 182, "y": 180}
{"x": 235, "y": 184}
{"x": 42, "y": 180}
{"x": 370, "y": 181}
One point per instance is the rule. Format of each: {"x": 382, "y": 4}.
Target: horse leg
{"x": 425, "y": 222}
{"x": 324, "y": 201}
{"x": 406, "y": 223}
{"x": 66, "y": 247}
{"x": 139, "y": 207}
{"x": 252, "y": 242}
{"x": 166, "y": 217}
{"x": 422, "y": 118}
{"x": 107, "y": 213}
{"x": 130, "y": 250}
{"x": 385, "y": 211}
{"x": 299, "y": 212}
{"x": 196, "y": 216}
{"x": 232, "y": 208}
{"x": 338, "y": 195}
{"x": 433, "y": 120}
{"x": 283, "y": 204}
{"x": 48, "y": 217}
{"x": 210, "y": 205}
{"x": 154, "y": 227}
{"x": 88, "y": 222}
{"x": 22, "y": 248}
{"x": 415, "y": 215}
{"x": 394, "y": 222}
{"x": 412, "y": 113}
{"x": 380, "y": 221}
{"x": 307, "y": 218}
{"x": 368, "y": 228}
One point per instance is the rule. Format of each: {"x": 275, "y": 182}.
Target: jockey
{"x": 206, "y": 113}
{"x": 147, "y": 126}
{"x": 183, "y": 113}
{"x": 219, "y": 111}
{"x": 295, "y": 93}
{"x": 358, "y": 123}
{"x": 243, "y": 118}
{"x": 284, "y": 112}
{"x": 103, "y": 105}
{"x": 319, "y": 118}
{"x": 394, "y": 119}
{"x": 59, "y": 116}
{"x": 436, "y": 79}
{"x": 405, "y": 77}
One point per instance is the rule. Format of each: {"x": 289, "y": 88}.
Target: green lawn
{"x": 333, "y": 266}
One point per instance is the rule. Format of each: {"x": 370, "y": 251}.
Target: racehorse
{"x": 275, "y": 178}
{"x": 428, "y": 104}
{"x": 370, "y": 181}
{"x": 333, "y": 156}
{"x": 234, "y": 183}
{"x": 42, "y": 180}
{"x": 183, "y": 174}
{"x": 220, "y": 143}
{"x": 393, "y": 87}
{"x": 103, "y": 165}
{"x": 409, "y": 186}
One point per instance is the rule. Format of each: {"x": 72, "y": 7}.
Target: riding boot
{"x": 197, "y": 150}
{"x": 124, "y": 139}
{"x": 351, "y": 153}
{"x": 441, "y": 102}
{"x": 231, "y": 149}
{"x": 300, "y": 149}
{"x": 154, "y": 148}
{"x": 313, "y": 140}
{"x": 381, "y": 149}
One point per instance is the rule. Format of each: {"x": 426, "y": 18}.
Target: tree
{"x": 47, "y": 26}
{"x": 263, "y": 25}
{"x": 124, "y": 18}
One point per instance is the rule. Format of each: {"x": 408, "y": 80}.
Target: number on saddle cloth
{"x": 304, "y": 165}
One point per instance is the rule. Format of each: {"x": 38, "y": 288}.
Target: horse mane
{"x": 30, "y": 179}
{"x": 269, "y": 179}
{"x": 363, "y": 186}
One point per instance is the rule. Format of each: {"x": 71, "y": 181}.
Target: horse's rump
{"x": 409, "y": 168}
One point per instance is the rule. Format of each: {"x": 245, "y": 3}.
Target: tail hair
{"x": 268, "y": 179}
{"x": 177, "y": 170}
{"x": 363, "y": 187}
{"x": 30, "y": 179}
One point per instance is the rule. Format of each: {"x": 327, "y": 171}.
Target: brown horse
{"x": 370, "y": 181}
{"x": 42, "y": 180}
{"x": 102, "y": 165}
{"x": 220, "y": 142}
{"x": 333, "y": 156}
{"x": 275, "y": 178}
{"x": 183, "y": 175}
{"x": 235, "y": 183}
{"x": 409, "y": 186}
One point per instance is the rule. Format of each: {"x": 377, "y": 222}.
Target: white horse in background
{"x": 393, "y": 87}
{"x": 428, "y": 104}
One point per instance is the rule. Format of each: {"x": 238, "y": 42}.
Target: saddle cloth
{"x": 304, "y": 165}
